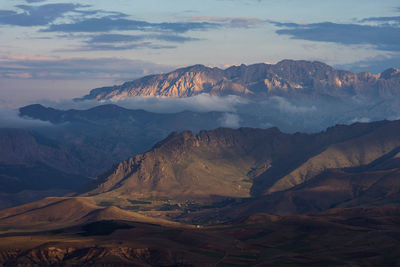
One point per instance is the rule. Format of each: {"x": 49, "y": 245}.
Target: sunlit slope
{"x": 53, "y": 213}
{"x": 184, "y": 166}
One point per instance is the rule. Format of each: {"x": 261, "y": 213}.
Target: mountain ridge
{"x": 246, "y": 162}
{"x": 285, "y": 78}
{"x": 206, "y": 198}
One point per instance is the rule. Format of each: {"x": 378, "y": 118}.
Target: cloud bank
{"x": 230, "y": 120}
{"x": 70, "y": 19}
{"x": 77, "y": 68}
{"x": 284, "y": 105}
{"x": 9, "y": 118}
{"x": 374, "y": 64}
{"x": 199, "y": 103}
{"x": 383, "y": 36}
{"x": 108, "y": 24}
{"x": 30, "y": 15}
{"x": 233, "y": 22}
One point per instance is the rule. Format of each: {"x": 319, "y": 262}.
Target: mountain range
{"x": 292, "y": 95}
{"x": 278, "y": 173}
{"x": 226, "y": 196}
{"x": 101, "y": 136}
{"x": 112, "y": 186}
{"x": 77, "y": 145}
{"x": 199, "y": 167}
{"x": 243, "y": 170}
{"x": 287, "y": 78}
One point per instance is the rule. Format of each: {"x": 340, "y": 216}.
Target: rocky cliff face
{"x": 286, "y": 78}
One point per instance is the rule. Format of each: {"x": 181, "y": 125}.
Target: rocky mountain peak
{"x": 390, "y": 73}
{"x": 288, "y": 78}
{"x": 194, "y": 68}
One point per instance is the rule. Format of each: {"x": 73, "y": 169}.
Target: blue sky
{"x": 62, "y": 49}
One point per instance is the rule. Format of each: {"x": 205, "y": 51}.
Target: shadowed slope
{"x": 358, "y": 151}
{"x": 33, "y": 166}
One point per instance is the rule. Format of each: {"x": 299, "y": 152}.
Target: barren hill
{"x": 260, "y": 163}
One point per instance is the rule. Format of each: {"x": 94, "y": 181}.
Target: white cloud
{"x": 9, "y": 118}
{"x": 230, "y": 120}
{"x": 200, "y": 103}
{"x": 362, "y": 120}
{"x": 286, "y": 106}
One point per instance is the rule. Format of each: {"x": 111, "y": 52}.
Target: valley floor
{"x": 359, "y": 237}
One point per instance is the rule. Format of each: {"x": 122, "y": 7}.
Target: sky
{"x": 52, "y": 50}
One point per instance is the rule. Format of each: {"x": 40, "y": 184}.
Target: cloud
{"x": 110, "y": 47}
{"x": 10, "y": 118}
{"x": 105, "y": 24}
{"x": 234, "y": 22}
{"x": 285, "y": 106}
{"x": 393, "y": 20}
{"x": 375, "y": 64}
{"x": 200, "y": 103}
{"x": 362, "y": 120}
{"x": 115, "y": 38}
{"x": 382, "y": 36}
{"x": 71, "y": 18}
{"x": 55, "y": 68}
{"x": 130, "y": 42}
{"x": 230, "y": 120}
{"x": 181, "y": 27}
{"x": 91, "y": 20}
{"x": 29, "y": 15}
{"x": 112, "y": 23}
{"x": 171, "y": 38}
